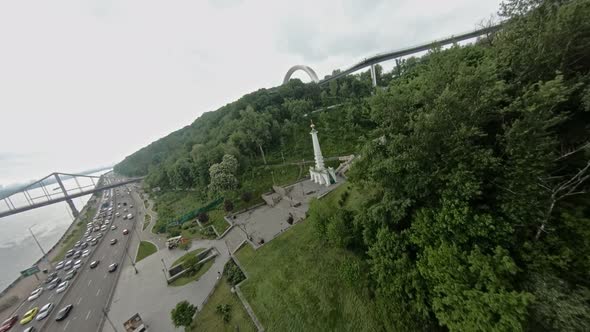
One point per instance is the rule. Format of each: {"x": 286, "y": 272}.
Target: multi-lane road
{"x": 90, "y": 289}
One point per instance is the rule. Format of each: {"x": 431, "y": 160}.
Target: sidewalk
{"x": 147, "y": 292}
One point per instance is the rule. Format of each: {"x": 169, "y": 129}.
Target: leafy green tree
{"x": 223, "y": 175}
{"x": 182, "y": 314}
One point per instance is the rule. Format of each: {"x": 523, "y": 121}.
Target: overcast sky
{"x": 84, "y": 83}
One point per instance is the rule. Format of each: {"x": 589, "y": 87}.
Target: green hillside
{"x": 468, "y": 209}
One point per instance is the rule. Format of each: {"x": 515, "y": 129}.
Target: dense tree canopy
{"x": 474, "y": 173}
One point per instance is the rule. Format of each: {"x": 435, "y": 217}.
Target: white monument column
{"x": 317, "y": 152}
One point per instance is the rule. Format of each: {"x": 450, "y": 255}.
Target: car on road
{"x": 29, "y": 315}
{"x": 89, "y": 239}
{"x": 77, "y": 244}
{"x": 62, "y": 287}
{"x": 113, "y": 267}
{"x": 84, "y": 245}
{"x": 113, "y": 241}
{"x": 99, "y": 235}
{"x": 85, "y": 253}
{"x": 30, "y": 329}
{"x": 68, "y": 265}
{"x": 44, "y": 312}
{"x": 8, "y": 324}
{"x": 77, "y": 254}
{"x": 77, "y": 264}
{"x": 94, "y": 264}
{"x": 113, "y": 227}
{"x": 54, "y": 283}
{"x": 51, "y": 277}
{"x": 64, "y": 312}
{"x": 125, "y": 231}
{"x": 70, "y": 275}
{"x": 94, "y": 241}
{"x": 69, "y": 253}
{"x": 35, "y": 294}
{"x": 129, "y": 216}
{"x": 59, "y": 265}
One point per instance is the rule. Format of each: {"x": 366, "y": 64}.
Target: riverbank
{"x": 23, "y": 286}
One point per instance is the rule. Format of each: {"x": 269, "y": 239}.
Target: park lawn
{"x": 295, "y": 283}
{"x": 208, "y": 319}
{"x": 187, "y": 256}
{"x": 216, "y": 219}
{"x": 145, "y": 249}
{"x": 185, "y": 279}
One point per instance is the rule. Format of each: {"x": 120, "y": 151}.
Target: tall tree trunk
{"x": 262, "y": 152}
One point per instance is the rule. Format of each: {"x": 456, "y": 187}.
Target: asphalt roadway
{"x": 90, "y": 289}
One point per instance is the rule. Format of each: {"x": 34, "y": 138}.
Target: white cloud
{"x": 85, "y": 83}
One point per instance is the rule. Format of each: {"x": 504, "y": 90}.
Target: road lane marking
{"x": 105, "y": 276}
{"x": 50, "y": 296}
{"x": 66, "y": 327}
{"x": 89, "y": 282}
{"x": 88, "y": 315}
{"x": 79, "y": 300}
{"x": 98, "y": 292}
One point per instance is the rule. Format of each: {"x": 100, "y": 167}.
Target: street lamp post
{"x": 40, "y": 247}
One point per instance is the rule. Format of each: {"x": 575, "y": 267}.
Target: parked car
{"x": 44, "y": 312}
{"x": 113, "y": 267}
{"x": 64, "y": 312}
{"x": 29, "y": 315}
{"x": 35, "y": 294}
{"x": 8, "y": 324}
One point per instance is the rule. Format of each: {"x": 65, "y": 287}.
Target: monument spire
{"x": 320, "y": 174}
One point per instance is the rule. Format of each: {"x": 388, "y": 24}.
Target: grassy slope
{"x": 185, "y": 279}
{"x": 209, "y": 320}
{"x": 74, "y": 235}
{"x": 145, "y": 249}
{"x": 187, "y": 256}
{"x": 295, "y": 285}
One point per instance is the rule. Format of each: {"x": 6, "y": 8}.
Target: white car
{"x": 113, "y": 227}
{"x": 77, "y": 265}
{"x": 45, "y": 311}
{"x": 129, "y": 216}
{"x": 62, "y": 287}
{"x": 59, "y": 265}
{"x": 85, "y": 253}
{"x": 35, "y": 294}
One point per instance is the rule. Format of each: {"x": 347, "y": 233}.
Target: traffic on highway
{"x": 76, "y": 290}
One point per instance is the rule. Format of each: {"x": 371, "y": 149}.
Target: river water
{"x": 18, "y": 250}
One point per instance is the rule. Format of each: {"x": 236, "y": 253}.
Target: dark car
{"x": 8, "y": 324}
{"x": 113, "y": 267}
{"x": 84, "y": 245}
{"x": 125, "y": 232}
{"x": 113, "y": 241}
{"x": 94, "y": 264}
{"x": 64, "y": 312}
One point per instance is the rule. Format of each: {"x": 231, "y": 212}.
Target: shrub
{"x": 185, "y": 246}
{"x": 247, "y": 196}
{"x": 208, "y": 232}
{"x": 203, "y": 217}
{"x": 225, "y": 311}
{"x": 290, "y": 219}
{"x": 173, "y": 231}
{"x": 233, "y": 273}
{"x": 228, "y": 205}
